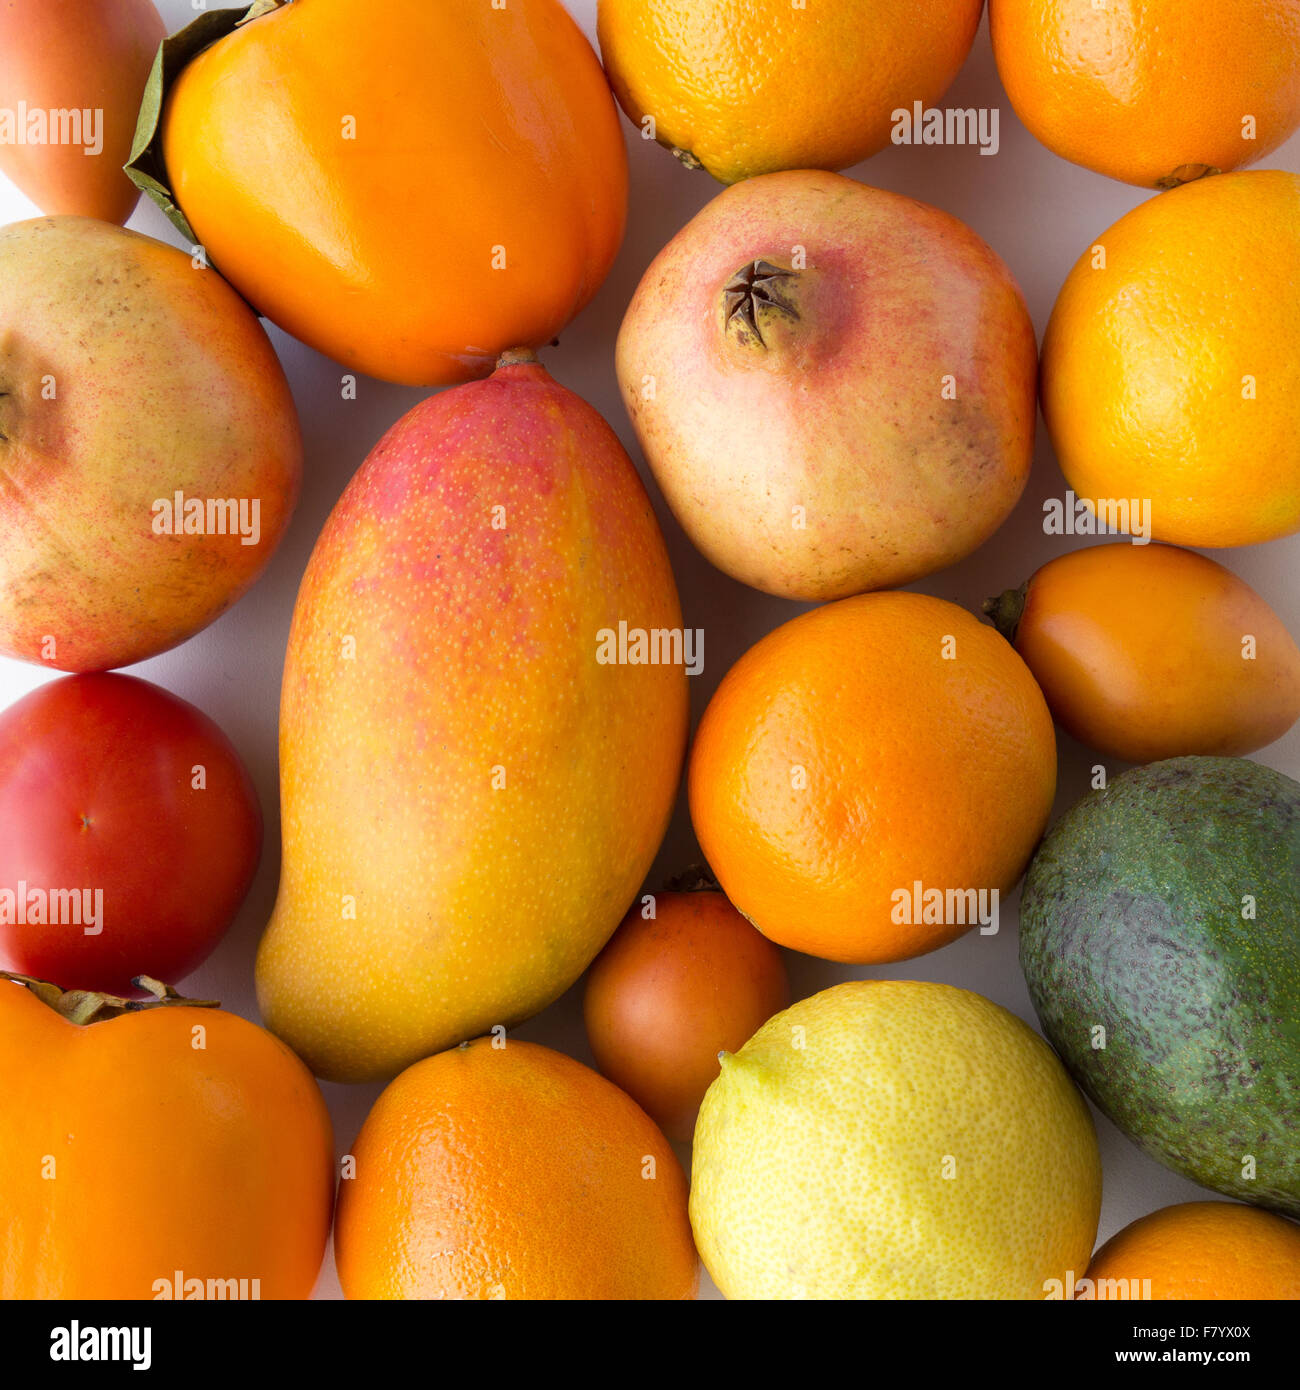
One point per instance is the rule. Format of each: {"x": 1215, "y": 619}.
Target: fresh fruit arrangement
{"x": 684, "y": 937}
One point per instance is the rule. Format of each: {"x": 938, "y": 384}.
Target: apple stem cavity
{"x": 258, "y": 8}
{"x": 85, "y": 1006}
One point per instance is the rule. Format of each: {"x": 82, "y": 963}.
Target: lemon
{"x": 894, "y": 1139}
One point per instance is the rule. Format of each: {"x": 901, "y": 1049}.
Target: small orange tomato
{"x": 669, "y": 992}
{"x": 1150, "y": 652}
{"x": 172, "y": 1151}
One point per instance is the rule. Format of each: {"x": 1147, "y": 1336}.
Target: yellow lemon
{"x": 894, "y": 1139}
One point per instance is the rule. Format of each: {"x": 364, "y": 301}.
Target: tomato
{"x": 129, "y": 833}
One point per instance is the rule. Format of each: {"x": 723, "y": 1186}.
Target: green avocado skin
{"x": 1135, "y": 919}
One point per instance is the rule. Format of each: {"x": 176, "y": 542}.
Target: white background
{"x": 1038, "y": 212}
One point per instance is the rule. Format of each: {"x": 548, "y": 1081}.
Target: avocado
{"x": 1165, "y": 910}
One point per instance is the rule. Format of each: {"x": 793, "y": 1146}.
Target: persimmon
{"x": 157, "y": 1149}
{"x": 410, "y": 188}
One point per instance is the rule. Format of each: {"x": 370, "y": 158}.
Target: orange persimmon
{"x": 410, "y": 188}
{"x": 164, "y": 1150}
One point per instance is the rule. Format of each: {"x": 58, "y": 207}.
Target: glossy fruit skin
{"x": 383, "y": 250}
{"x": 96, "y": 791}
{"x": 474, "y": 724}
{"x": 512, "y": 1172}
{"x": 831, "y": 457}
{"x": 843, "y": 759}
{"x": 77, "y": 55}
{"x": 206, "y": 1152}
{"x": 1149, "y": 365}
{"x": 1151, "y": 91}
{"x": 1139, "y": 651}
{"x": 894, "y": 1139}
{"x": 668, "y": 993}
{"x": 1166, "y": 908}
{"x": 1200, "y": 1250}
{"x": 128, "y": 375}
{"x": 759, "y": 86}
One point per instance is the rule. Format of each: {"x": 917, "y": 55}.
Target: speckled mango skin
{"x": 1131, "y": 920}
{"x": 818, "y": 1168}
{"x": 475, "y": 663}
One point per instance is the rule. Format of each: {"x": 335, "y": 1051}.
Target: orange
{"x": 684, "y": 978}
{"x": 410, "y": 188}
{"x": 1154, "y": 92}
{"x": 1151, "y": 652}
{"x": 155, "y": 1150}
{"x": 745, "y": 87}
{"x": 1171, "y": 363}
{"x": 863, "y": 758}
{"x": 1213, "y": 1250}
{"x": 505, "y": 1170}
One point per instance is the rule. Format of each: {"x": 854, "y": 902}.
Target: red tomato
{"x": 127, "y": 817}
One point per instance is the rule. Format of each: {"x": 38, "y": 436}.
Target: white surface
{"x": 1037, "y": 211}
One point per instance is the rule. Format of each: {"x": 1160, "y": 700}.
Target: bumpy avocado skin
{"x": 1132, "y": 919}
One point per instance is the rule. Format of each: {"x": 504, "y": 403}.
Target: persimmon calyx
{"x": 85, "y": 1006}
{"x": 258, "y": 8}
{"x": 1006, "y": 609}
